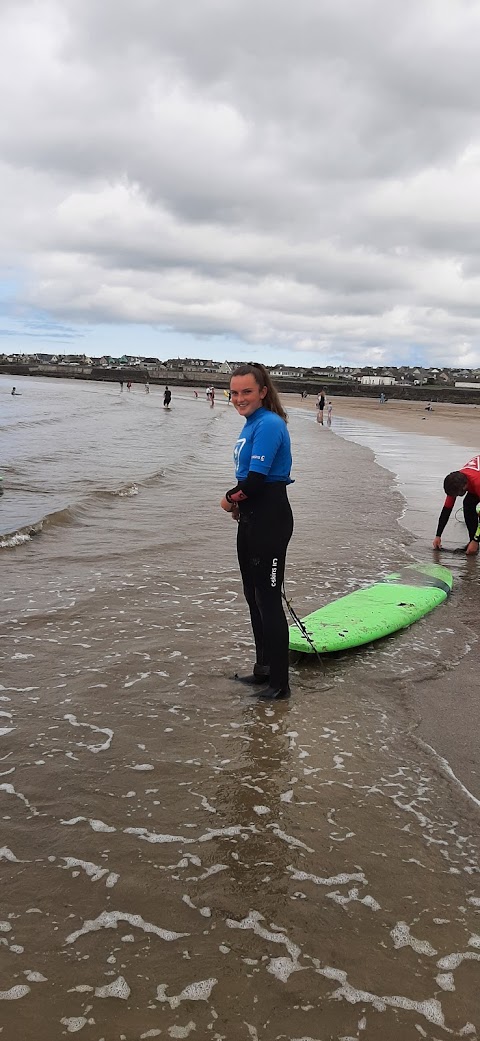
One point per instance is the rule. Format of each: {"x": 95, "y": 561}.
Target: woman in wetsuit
{"x": 259, "y": 502}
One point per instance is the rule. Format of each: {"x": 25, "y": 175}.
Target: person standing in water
{"x": 167, "y": 397}
{"x": 320, "y": 406}
{"x": 329, "y": 414}
{"x": 259, "y": 502}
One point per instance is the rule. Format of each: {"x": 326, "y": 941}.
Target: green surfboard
{"x": 380, "y": 609}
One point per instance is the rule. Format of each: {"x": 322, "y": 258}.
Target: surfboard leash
{"x": 300, "y": 625}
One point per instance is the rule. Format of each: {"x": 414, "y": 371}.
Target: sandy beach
{"x": 453, "y": 734}
{"x": 459, "y": 423}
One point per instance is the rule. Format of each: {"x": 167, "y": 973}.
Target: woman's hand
{"x": 437, "y": 542}
{"x": 472, "y": 548}
{"x": 230, "y": 507}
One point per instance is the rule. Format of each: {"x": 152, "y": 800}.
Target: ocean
{"x": 178, "y": 859}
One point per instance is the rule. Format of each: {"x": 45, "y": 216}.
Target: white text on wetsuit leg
{"x": 273, "y": 573}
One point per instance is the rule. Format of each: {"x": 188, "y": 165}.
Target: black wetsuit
{"x": 264, "y": 531}
{"x": 263, "y": 462}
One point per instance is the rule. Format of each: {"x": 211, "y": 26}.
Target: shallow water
{"x": 180, "y": 860}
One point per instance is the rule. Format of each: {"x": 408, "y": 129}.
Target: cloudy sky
{"x": 295, "y": 181}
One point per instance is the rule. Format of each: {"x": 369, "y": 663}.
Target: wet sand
{"x": 446, "y": 707}
{"x": 179, "y": 860}
{"x": 459, "y": 423}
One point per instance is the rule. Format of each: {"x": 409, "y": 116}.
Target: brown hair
{"x": 271, "y": 400}
{"x": 455, "y": 483}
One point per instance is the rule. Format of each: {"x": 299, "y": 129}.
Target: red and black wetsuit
{"x": 471, "y": 470}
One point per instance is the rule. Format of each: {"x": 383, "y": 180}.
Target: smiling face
{"x": 247, "y": 396}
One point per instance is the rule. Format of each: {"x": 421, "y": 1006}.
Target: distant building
{"x": 195, "y": 364}
{"x": 378, "y": 381}
{"x": 153, "y": 366}
{"x": 285, "y": 370}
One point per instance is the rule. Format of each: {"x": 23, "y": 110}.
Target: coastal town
{"x": 200, "y": 369}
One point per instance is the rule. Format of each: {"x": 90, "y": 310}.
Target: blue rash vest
{"x": 264, "y": 447}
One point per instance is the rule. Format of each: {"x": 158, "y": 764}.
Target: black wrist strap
{"x": 246, "y": 488}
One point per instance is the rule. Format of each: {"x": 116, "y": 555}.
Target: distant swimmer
{"x": 464, "y": 482}
{"x": 147, "y": 388}
{"x": 195, "y": 393}
{"x": 167, "y": 397}
{"x": 15, "y": 393}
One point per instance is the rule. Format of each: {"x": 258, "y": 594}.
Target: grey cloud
{"x": 265, "y": 170}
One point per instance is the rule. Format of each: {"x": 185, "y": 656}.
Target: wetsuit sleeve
{"x": 476, "y": 537}
{"x": 443, "y": 518}
{"x": 247, "y": 488}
